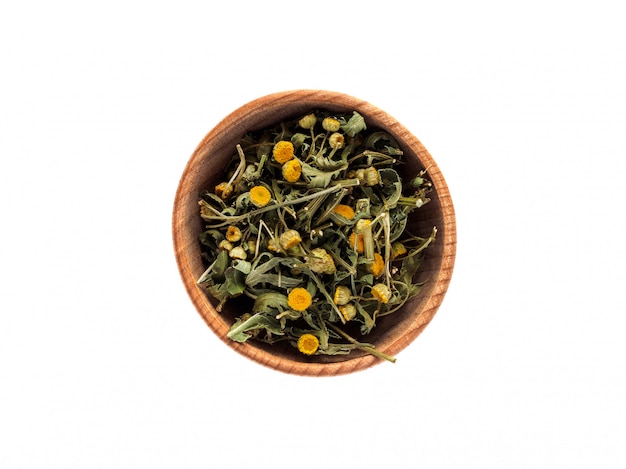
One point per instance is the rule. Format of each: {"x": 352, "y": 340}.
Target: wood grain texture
{"x": 393, "y": 333}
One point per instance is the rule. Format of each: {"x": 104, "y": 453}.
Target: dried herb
{"x": 310, "y": 223}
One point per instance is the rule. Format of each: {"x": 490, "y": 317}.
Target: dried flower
{"x": 345, "y": 211}
{"x": 398, "y": 249}
{"x": 321, "y": 262}
{"x": 292, "y": 170}
{"x": 378, "y": 266}
{"x": 225, "y": 245}
{"x": 336, "y": 141}
{"x": 381, "y": 292}
{"x": 283, "y": 151}
{"x": 299, "y": 299}
{"x": 238, "y": 252}
{"x": 342, "y": 295}
{"x": 330, "y": 124}
{"x": 289, "y": 239}
{"x": 357, "y": 242}
{"x": 348, "y": 311}
{"x": 308, "y": 344}
{"x": 371, "y": 177}
{"x": 308, "y": 121}
{"x": 363, "y": 224}
{"x": 260, "y": 196}
{"x": 233, "y": 234}
{"x": 223, "y": 190}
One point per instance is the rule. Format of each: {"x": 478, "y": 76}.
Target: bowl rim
{"x": 250, "y": 116}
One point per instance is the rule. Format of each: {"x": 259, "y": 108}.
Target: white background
{"x": 104, "y": 362}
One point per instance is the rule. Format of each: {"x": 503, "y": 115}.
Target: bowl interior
{"x": 205, "y": 169}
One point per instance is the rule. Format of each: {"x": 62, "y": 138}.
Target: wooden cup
{"x": 205, "y": 168}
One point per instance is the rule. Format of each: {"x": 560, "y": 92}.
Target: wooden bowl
{"x": 392, "y": 333}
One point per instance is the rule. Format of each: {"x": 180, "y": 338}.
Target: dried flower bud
{"x": 330, "y": 124}
{"x": 321, "y": 262}
{"x": 225, "y": 245}
{"x": 398, "y": 249}
{"x": 260, "y": 196}
{"x": 238, "y": 252}
{"x": 233, "y": 234}
{"x": 348, "y": 311}
{"x": 223, "y": 190}
{"x": 308, "y": 121}
{"x": 362, "y": 225}
{"x": 357, "y": 242}
{"x": 299, "y": 299}
{"x": 336, "y": 140}
{"x": 342, "y": 295}
{"x": 292, "y": 170}
{"x": 308, "y": 344}
{"x": 371, "y": 177}
{"x": 283, "y": 151}
{"x": 289, "y": 239}
{"x": 381, "y": 292}
{"x": 378, "y": 266}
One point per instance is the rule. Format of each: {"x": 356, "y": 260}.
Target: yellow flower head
{"x": 348, "y": 311}
{"x": 378, "y": 266}
{"x": 292, "y": 170}
{"x": 331, "y": 124}
{"x": 299, "y": 299}
{"x": 342, "y": 295}
{"x": 357, "y": 242}
{"x": 308, "y": 121}
{"x": 283, "y": 151}
{"x": 381, "y": 292}
{"x": 289, "y": 239}
{"x": 398, "y": 249}
{"x": 308, "y": 344}
{"x": 233, "y": 234}
{"x": 223, "y": 190}
{"x": 345, "y": 211}
{"x": 336, "y": 140}
{"x": 260, "y": 196}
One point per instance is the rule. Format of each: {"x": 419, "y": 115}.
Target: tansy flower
{"x": 345, "y": 211}
{"x": 378, "y": 266}
{"x": 299, "y": 299}
{"x": 348, "y": 311}
{"x": 321, "y": 262}
{"x": 260, "y": 196}
{"x": 308, "y": 344}
{"x": 289, "y": 239}
{"x": 233, "y": 234}
{"x": 330, "y": 124}
{"x": 342, "y": 295}
{"x": 398, "y": 249}
{"x": 357, "y": 242}
{"x": 308, "y": 121}
{"x": 283, "y": 151}
{"x": 336, "y": 140}
{"x": 223, "y": 190}
{"x": 238, "y": 252}
{"x": 292, "y": 170}
{"x": 381, "y": 292}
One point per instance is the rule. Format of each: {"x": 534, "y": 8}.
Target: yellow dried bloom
{"x": 398, "y": 249}
{"x": 342, "y": 295}
{"x": 357, "y": 242}
{"x": 292, "y": 170}
{"x": 299, "y": 299}
{"x": 330, "y": 124}
{"x": 273, "y": 245}
{"x": 345, "y": 211}
{"x": 336, "y": 140}
{"x": 225, "y": 245}
{"x": 260, "y": 196}
{"x": 233, "y": 234}
{"x": 378, "y": 266}
{"x": 381, "y": 292}
{"x": 289, "y": 239}
{"x": 348, "y": 311}
{"x": 283, "y": 151}
{"x": 308, "y": 344}
{"x": 308, "y": 121}
{"x": 223, "y": 190}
